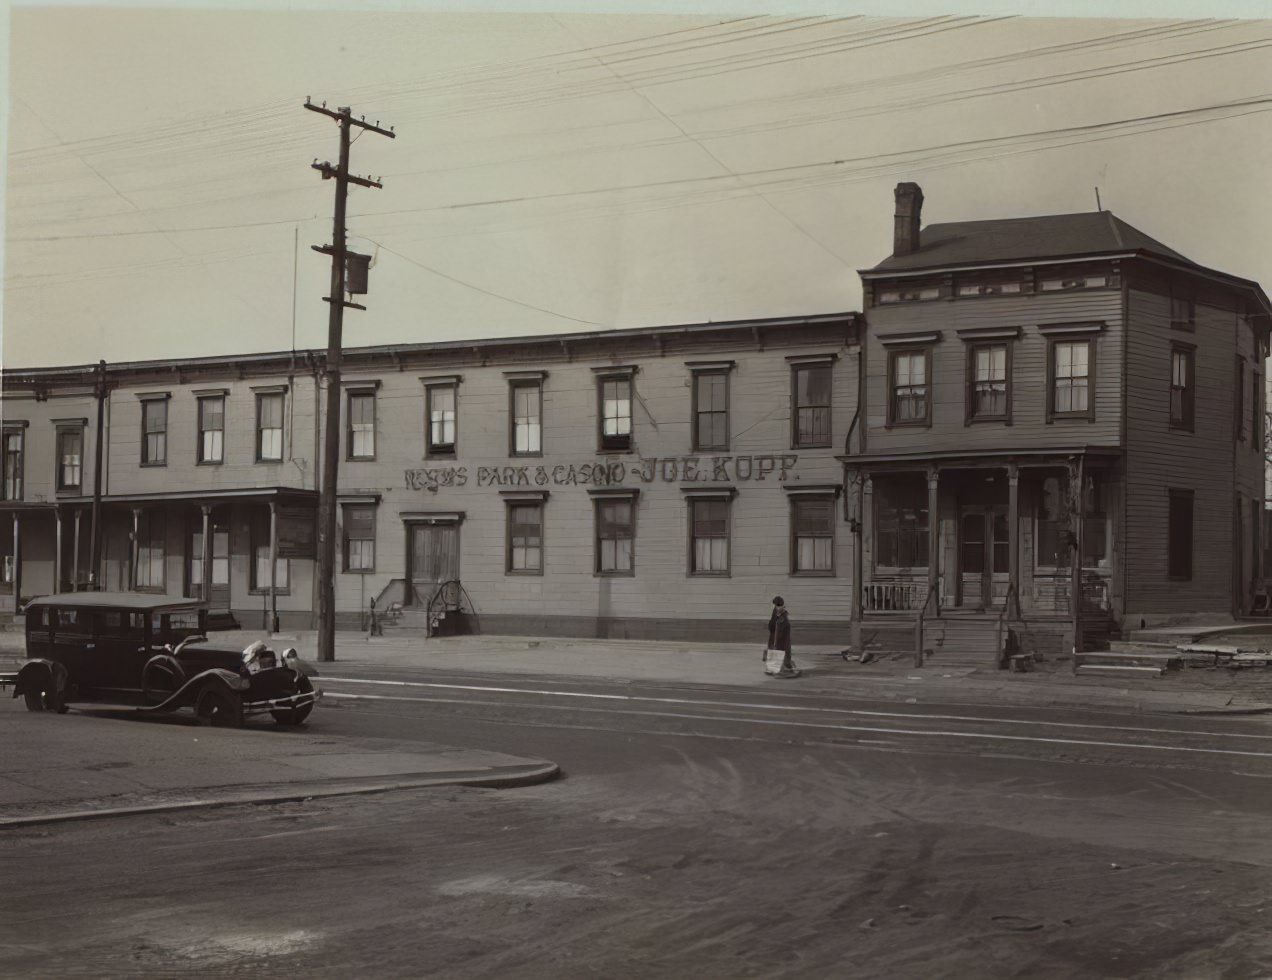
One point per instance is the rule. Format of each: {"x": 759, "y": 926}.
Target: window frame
{"x": 434, "y": 449}
{"x": 147, "y": 404}
{"x": 537, "y": 501}
{"x": 361, "y": 392}
{"x": 63, "y": 430}
{"x": 725, "y": 497}
{"x": 150, "y": 520}
{"x": 617, "y": 443}
{"x": 1086, "y": 336}
{"x": 201, "y": 458}
{"x": 262, "y": 394}
{"x": 828, "y": 497}
{"x": 1187, "y": 420}
{"x": 258, "y": 528}
{"x": 1239, "y": 426}
{"x": 797, "y": 364}
{"x": 345, "y": 538}
{"x": 520, "y": 381}
{"x": 909, "y": 350}
{"x": 1181, "y": 299}
{"x": 921, "y": 535}
{"x": 698, "y": 371}
{"x": 18, "y": 490}
{"x": 970, "y": 417}
{"x": 1174, "y": 557}
{"x": 600, "y": 498}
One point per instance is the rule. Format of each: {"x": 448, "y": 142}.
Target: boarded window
{"x": 1179, "y": 548}
{"x": 615, "y": 535}
{"x": 709, "y": 537}
{"x": 813, "y": 536}
{"x": 901, "y": 522}
{"x": 812, "y": 405}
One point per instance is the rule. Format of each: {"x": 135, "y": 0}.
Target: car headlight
{"x": 258, "y": 657}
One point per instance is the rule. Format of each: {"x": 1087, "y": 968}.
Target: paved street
{"x": 711, "y": 831}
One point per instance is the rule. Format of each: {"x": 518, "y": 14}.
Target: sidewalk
{"x": 895, "y": 677}
{"x": 52, "y": 770}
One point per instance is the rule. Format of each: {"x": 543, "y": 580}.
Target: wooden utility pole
{"x": 335, "y": 326}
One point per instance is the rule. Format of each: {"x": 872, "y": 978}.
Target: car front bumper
{"x": 290, "y": 702}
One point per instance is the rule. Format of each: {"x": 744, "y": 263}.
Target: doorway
{"x": 219, "y": 594}
{"x": 432, "y": 557}
{"x": 983, "y": 551}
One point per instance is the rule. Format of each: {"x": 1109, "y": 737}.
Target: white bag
{"x": 773, "y": 661}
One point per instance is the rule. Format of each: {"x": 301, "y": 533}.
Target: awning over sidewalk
{"x": 986, "y": 457}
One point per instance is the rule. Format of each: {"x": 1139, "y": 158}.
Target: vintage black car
{"x": 151, "y": 652}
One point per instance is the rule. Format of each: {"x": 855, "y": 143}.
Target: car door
{"x": 72, "y": 643}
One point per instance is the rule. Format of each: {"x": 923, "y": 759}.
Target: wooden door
{"x": 219, "y": 598}
{"x": 983, "y": 553}
{"x": 432, "y": 558}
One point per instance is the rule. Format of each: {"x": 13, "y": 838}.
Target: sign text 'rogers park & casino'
{"x": 669, "y": 469}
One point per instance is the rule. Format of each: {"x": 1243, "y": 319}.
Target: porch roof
{"x": 985, "y": 457}
{"x": 283, "y": 495}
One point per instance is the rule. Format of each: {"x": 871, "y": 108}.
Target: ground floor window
{"x": 260, "y": 559}
{"x": 1179, "y": 535}
{"x": 615, "y": 535}
{"x": 525, "y": 538}
{"x": 709, "y": 537}
{"x": 150, "y": 547}
{"x": 813, "y": 536}
{"x": 359, "y": 538}
{"x": 220, "y": 558}
{"x": 901, "y": 521}
{"x": 1054, "y": 527}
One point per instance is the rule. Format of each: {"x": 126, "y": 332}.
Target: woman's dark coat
{"x": 780, "y": 632}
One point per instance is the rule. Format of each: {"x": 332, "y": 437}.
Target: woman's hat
{"x": 777, "y": 601}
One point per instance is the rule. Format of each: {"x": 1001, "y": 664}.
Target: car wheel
{"x": 219, "y": 708}
{"x": 38, "y": 701}
{"x": 292, "y": 716}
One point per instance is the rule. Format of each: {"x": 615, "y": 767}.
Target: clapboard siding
{"x": 39, "y": 443}
{"x": 1029, "y": 427}
{"x": 1160, "y": 458}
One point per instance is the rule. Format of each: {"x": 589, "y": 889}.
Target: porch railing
{"x": 893, "y": 596}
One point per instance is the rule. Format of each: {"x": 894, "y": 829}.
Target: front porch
{"x": 992, "y": 539}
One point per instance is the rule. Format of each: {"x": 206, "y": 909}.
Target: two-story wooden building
{"x": 663, "y": 482}
{"x": 1039, "y": 389}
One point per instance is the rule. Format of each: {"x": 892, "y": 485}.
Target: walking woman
{"x": 780, "y": 634}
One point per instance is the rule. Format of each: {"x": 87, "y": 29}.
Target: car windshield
{"x": 173, "y": 626}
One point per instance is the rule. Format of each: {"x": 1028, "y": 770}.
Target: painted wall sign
{"x": 297, "y": 532}
{"x": 667, "y": 469}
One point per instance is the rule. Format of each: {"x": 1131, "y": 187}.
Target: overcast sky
{"x": 580, "y": 171}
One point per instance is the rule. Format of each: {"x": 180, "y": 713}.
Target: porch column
{"x": 855, "y": 521}
{"x": 75, "y": 552}
{"x": 1078, "y": 498}
{"x": 934, "y": 532}
{"x": 273, "y": 566}
{"x": 206, "y": 557}
{"x": 1013, "y": 531}
{"x": 134, "y": 550}
{"x": 17, "y": 567}
{"x": 57, "y": 549}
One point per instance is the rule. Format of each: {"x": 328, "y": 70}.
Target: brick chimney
{"x": 905, "y": 233}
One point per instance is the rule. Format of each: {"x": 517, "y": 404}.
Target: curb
{"x": 507, "y": 778}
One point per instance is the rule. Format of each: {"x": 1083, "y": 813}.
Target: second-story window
{"x": 1238, "y": 401}
{"x": 154, "y": 432}
{"x": 990, "y": 381}
{"x": 710, "y": 410}
{"x": 440, "y": 407}
{"x": 1071, "y": 377}
{"x": 908, "y": 402}
{"x": 615, "y": 395}
{"x": 812, "y": 390}
{"x": 269, "y": 426}
{"x": 12, "y": 488}
{"x": 1181, "y": 389}
{"x": 212, "y": 429}
{"x": 360, "y": 437}
{"x": 526, "y": 402}
{"x": 70, "y": 459}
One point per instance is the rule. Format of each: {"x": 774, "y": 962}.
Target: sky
{"x": 557, "y": 172}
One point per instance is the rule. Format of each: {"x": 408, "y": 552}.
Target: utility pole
{"x": 335, "y": 325}
{"x": 95, "y": 530}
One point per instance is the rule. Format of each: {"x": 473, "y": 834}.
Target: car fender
{"x": 42, "y": 674}
{"x": 166, "y": 666}
{"x": 189, "y": 692}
